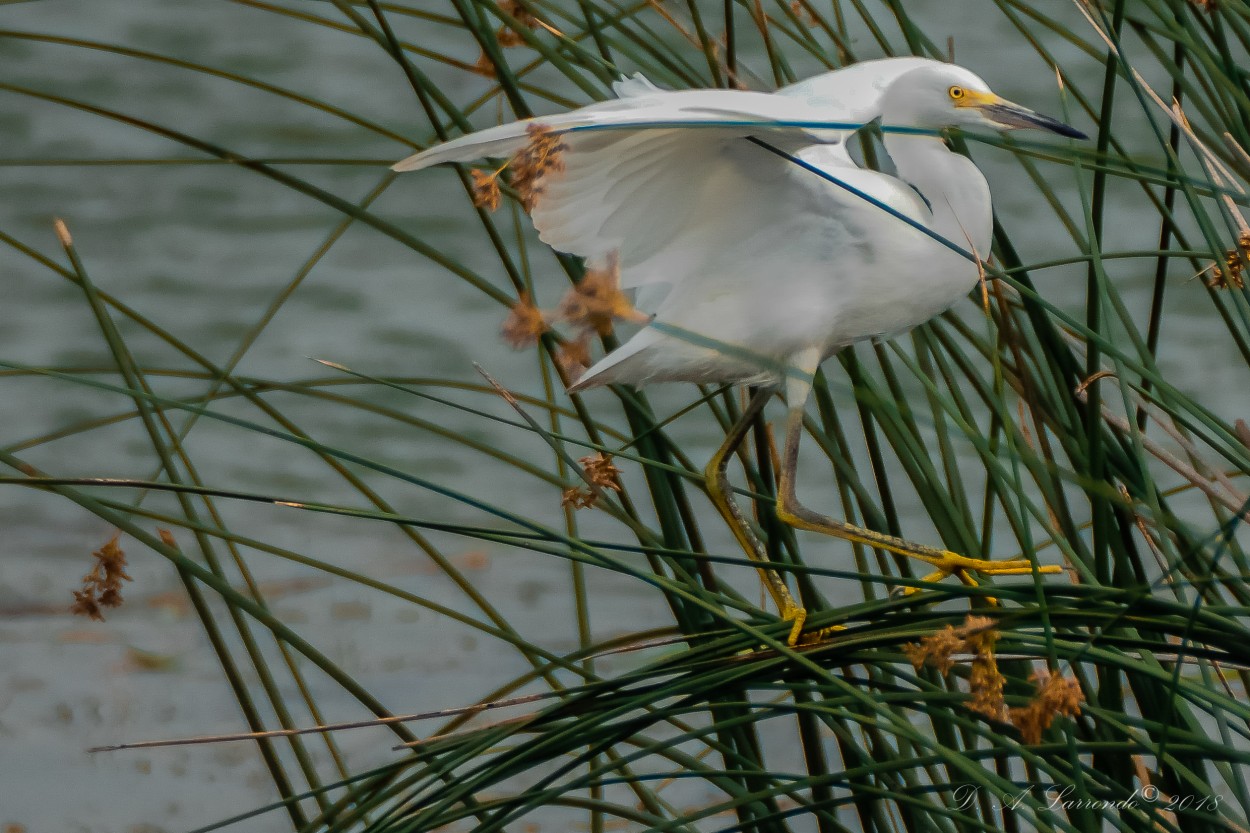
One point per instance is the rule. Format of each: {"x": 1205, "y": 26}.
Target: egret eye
{"x": 956, "y": 93}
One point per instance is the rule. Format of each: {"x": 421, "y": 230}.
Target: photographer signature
{"x": 1065, "y": 798}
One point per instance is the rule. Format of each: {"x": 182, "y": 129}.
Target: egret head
{"x": 949, "y": 96}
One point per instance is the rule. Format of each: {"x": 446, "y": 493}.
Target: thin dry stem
{"x": 62, "y": 233}
{"x": 334, "y": 727}
{"x": 1234, "y": 502}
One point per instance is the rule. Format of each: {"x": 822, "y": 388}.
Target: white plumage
{"x": 755, "y": 268}
{"x": 745, "y": 259}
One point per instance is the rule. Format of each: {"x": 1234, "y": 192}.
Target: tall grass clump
{"x": 1082, "y": 408}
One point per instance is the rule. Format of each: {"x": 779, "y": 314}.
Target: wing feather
{"x": 854, "y": 91}
{"x": 637, "y": 179}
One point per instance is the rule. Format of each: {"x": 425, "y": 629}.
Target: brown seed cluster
{"x": 936, "y": 650}
{"x": 597, "y": 299}
{"x": 539, "y": 159}
{"x": 1056, "y": 695}
{"x": 590, "y": 307}
{"x": 804, "y": 13}
{"x": 601, "y": 471}
{"x": 977, "y": 636}
{"x": 573, "y": 357}
{"x": 525, "y": 324}
{"x": 984, "y": 681}
{"x": 509, "y": 37}
{"x": 578, "y": 497}
{"x": 529, "y": 166}
{"x": 485, "y": 66}
{"x": 1232, "y": 273}
{"x": 602, "y": 474}
{"x": 101, "y": 587}
{"x": 486, "y": 193}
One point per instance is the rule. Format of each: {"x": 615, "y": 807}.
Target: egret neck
{"x": 957, "y": 193}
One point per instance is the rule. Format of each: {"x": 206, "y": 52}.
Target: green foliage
{"x": 1037, "y": 419}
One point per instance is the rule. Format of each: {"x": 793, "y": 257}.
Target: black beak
{"x": 1014, "y": 116}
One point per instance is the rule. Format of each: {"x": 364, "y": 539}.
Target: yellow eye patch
{"x": 964, "y": 97}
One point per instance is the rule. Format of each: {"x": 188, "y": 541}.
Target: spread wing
{"x": 643, "y": 174}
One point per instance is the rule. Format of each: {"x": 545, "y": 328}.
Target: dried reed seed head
{"x": 804, "y": 14}
{"x": 935, "y": 650}
{"x": 111, "y": 562}
{"x": 601, "y": 472}
{"x": 524, "y": 325}
{"x": 101, "y": 586}
{"x": 485, "y": 66}
{"x": 573, "y": 356}
{"x": 1056, "y": 695}
{"x": 540, "y": 158}
{"x": 518, "y": 10}
{"x": 985, "y": 687}
{"x": 985, "y": 682}
{"x": 507, "y": 38}
{"x": 976, "y": 635}
{"x": 85, "y": 604}
{"x": 1060, "y": 694}
{"x": 578, "y": 498}
{"x": 597, "y": 300}
{"x": 111, "y": 597}
{"x": 1232, "y": 273}
{"x": 486, "y": 193}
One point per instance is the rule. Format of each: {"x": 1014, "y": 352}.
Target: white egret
{"x": 757, "y": 267}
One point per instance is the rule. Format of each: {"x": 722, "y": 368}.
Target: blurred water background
{"x": 203, "y": 248}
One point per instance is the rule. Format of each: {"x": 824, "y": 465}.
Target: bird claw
{"x": 797, "y": 616}
{"x": 950, "y": 563}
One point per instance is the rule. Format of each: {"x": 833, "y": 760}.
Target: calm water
{"x": 202, "y": 250}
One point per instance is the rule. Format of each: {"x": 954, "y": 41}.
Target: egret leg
{"x": 721, "y": 493}
{"x": 791, "y": 512}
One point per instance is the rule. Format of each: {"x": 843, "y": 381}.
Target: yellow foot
{"x": 953, "y": 563}
{"x": 797, "y": 616}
